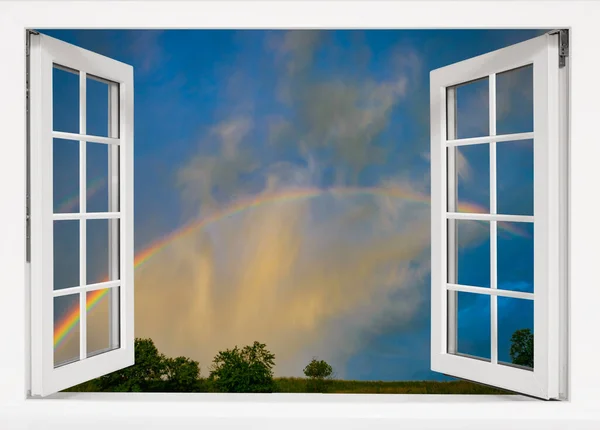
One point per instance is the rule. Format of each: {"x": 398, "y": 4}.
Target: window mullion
{"x": 493, "y": 223}
{"x": 114, "y": 241}
{"x": 452, "y": 244}
{"x": 82, "y": 221}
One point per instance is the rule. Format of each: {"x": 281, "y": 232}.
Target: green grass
{"x": 338, "y": 386}
{"x": 298, "y": 385}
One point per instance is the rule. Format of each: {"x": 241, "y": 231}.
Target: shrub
{"x": 247, "y": 370}
{"x": 153, "y": 372}
{"x": 317, "y": 372}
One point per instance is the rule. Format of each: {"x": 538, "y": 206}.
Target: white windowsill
{"x": 292, "y": 410}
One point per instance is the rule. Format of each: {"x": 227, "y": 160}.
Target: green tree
{"x": 181, "y": 375}
{"x": 144, "y": 375}
{"x": 521, "y": 349}
{"x": 246, "y": 370}
{"x": 153, "y": 372}
{"x": 317, "y": 372}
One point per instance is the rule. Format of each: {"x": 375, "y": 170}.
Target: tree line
{"x": 239, "y": 370}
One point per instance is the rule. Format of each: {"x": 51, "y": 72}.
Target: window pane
{"x": 515, "y": 331}
{"x": 514, "y": 101}
{"x": 473, "y": 178}
{"x": 65, "y": 100}
{"x": 473, "y": 253}
{"x": 515, "y": 256}
{"x": 66, "y": 329}
{"x": 472, "y": 109}
{"x": 515, "y": 177}
{"x": 473, "y": 325}
{"x": 65, "y": 174}
{"x": 66, "y": 254}
{"x": 97, "y": 107}
{"x": 97, "y": 176}
{"x": 101, "y": 234}
{"x": 102, "y": 332}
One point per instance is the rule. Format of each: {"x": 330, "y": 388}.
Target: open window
{"x": 81, "y": 214}
{"x": 525, "y": 82}
{"x": 80, "y": 205}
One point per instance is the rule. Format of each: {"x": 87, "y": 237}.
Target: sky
{"x": 282, "y": 194}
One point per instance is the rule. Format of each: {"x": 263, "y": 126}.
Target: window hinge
{"x": 27, "y": 40}
{"x": 563, "y": 47}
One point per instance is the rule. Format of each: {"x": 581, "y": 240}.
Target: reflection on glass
{"x": 66, "y": 329}
{"x": 473, "y": 325}
{"x": 65, "y": 100}
{"x": 473, "y": 253}
{"x": 99, "y": 252}
{"x": 97, "y": 107}
{"x": 514, "y": 172}
{"x": 472, "y": 166}
{"x": 514, "y": 101}
{"x": 515, "y": 332}
{"x": 101, "y": 323}
{"x": 515, "y": 256}
{"x": 472, "y": 109}
{"x": 65, "y": 176}
{"x": 66, "y": 254}
{"x": 97, "y": 175}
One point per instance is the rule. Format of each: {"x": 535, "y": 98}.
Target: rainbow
{"x": 67, "y": 324}
{"x": 70, "y": 320}
{"x": 69, "y": 203}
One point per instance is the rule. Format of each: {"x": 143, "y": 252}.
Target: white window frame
{"x": 46, "y": 53}
{"x": 419, "y": 411}
{"x": 544, "y": 381}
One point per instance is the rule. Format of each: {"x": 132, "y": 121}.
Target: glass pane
{"x": 100, "y": 328}
{"x": 514, "y": 173}
{"x": 100, "y": 234}
{"x": 66, "y": 254}
{"x": 97, "y": 176}
{"x": 473, "y": 325}
{"x": 65, "y": 100}
{"x": 473, "y": 178}
{"x": 65, "y": 174}
{"x": 473, "y": 253}
{"x": 97, "y": 107}
{"x": 515, "y": 256}
{"x": 66, "y": 329}
{"x": 472, "y": 109}
{"x": 514, "y": 101}
{"x": 515, "y": 332}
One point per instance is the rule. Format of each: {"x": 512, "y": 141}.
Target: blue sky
{"x": 221, "y": 114}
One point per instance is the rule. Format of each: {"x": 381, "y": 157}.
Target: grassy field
{"x": 299, "y": 385}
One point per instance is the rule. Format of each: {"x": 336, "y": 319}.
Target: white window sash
{"x": 544, "y": 380}
{"x": 45, "y": 378}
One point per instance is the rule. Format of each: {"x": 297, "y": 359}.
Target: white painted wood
{"x": 83, "y": 210}
{"x": 84, "y": 216}
{"x": 564, "y": 124}
{"x": 493, "y": 223}
{"x": 452, "y": 198}
{"x": 490, "y": 291}
{"x": 86, "y": 288}
{"x": 113, "y": 202}
{"x": 46, "y": 51}
{"x": 542, "y": 52}
{"x": 84, "y": 137}
{"x": 478, "y": 217}
{"x": 486, "y": 139}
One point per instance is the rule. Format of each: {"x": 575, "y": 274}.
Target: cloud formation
{"x": 307, "y": 277}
